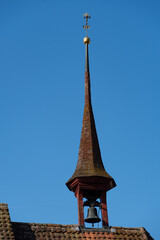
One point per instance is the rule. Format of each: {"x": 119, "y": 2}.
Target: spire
{"x": 89, "y": 160}
{"x": 90, "y": 179}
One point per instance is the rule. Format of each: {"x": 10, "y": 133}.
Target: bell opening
{"x": 92, "y": 215}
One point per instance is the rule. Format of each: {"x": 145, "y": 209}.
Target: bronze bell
{"x": 92, "y": 216}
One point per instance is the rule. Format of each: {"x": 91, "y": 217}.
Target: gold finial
{"x": 86, "y": 40}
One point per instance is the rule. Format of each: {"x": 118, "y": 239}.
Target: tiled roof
{"x": 36, "y": 231}
{"x": 6, "y": 231}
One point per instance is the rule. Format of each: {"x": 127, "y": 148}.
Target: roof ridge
{"x": 142, "y": 229}
{"x": 52, "y": 224}
{"x": 134, "y": 228}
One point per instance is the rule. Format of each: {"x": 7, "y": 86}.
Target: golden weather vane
{"x": 86, "y": 16}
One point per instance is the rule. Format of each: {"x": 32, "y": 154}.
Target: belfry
{"x": 90, "y": 180}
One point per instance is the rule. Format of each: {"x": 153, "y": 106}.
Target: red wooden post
{"x": 104, "y": 210}
{"x": 80, "y": 208}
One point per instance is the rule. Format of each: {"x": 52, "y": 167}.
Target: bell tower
{"x": 90, "y": 182}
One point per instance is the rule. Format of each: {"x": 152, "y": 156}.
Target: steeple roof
{"x": 89, "y": 160}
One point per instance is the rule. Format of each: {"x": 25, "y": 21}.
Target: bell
{"x": 92, "y": 216}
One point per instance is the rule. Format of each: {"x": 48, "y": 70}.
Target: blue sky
{"x": 42, "y": 100}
